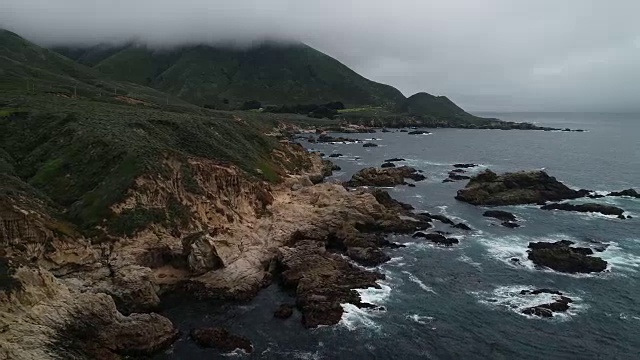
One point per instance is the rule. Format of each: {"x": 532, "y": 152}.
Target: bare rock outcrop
{"x": 44, "y": 319}
{"x": 200, "y": 253}
{"x": 390, "y": 176}
{"x": 221, "y": 339}
{"x": 525, "y": 187}
{"x": 322, "y": 281}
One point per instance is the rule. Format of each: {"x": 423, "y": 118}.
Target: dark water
{"x": 463, "y": 302}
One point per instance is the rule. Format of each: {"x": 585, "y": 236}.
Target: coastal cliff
{"x": 96, "y": 296}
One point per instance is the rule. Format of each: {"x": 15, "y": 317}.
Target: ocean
{"x": 464, "y": 302}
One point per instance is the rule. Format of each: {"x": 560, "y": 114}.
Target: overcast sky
{"x": 541, "y": 55}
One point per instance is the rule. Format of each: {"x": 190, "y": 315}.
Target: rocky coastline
{"x": 303, "y": 234}
{"x": 69, "y": 296}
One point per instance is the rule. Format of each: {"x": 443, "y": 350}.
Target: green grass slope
{"x": 82, "y": 153}
{"x": 271, "y": 73}
{"x": 28, "y": 69}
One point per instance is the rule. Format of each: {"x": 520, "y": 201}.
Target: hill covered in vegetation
{"x": 271, "y": 73}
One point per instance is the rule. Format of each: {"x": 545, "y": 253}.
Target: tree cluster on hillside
{"x": 328, "y": 110}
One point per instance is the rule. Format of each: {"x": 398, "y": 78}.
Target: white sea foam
{"x": 375, "y": 296}
{"x": 354, "y": 317}
{"x": 509, "y": 298}
{"x": 468, "y": 260}
{"x": 420, "y": 319}
{"x": 443, "y": 211}
{"x": 620, "y": 259}
{"x": 236, "y": 353}
{"x": 302, "y": 355}
{"x": 422, "y": 285}
{"x": 511, "y": 247}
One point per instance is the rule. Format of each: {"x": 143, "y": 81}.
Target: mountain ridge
{"x": 271, "y": 73}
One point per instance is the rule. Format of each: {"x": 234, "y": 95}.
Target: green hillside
{"x": 80, "y": 153}
{"x": 270, "y": 73}
{"x": 422, "y": 103}
{"x": 28, "y": 69}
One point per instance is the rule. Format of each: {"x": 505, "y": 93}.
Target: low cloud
{"x": 571, "y": 55}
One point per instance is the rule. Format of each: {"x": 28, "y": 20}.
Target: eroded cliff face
{"x": 221, "y": 240}
{"x": 41, "y": 318}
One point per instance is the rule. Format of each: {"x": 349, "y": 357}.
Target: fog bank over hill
{"x": 485, "y": 55}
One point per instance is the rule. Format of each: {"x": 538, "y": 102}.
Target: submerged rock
{"x": 525, "y": 187}
{"x": 418, "y": 132}
{"x": 456, "y": 176}
{"x": 443, "y": 219}
{"x": 384, "y": 177}
{"x": 560, "y": 256}
{"x": 588, "y": 207}
{"x": 500, "y": 215}
{"x": 335, "y": 155}
{"x": 510, "y": 225}
{"x": 284, "y": 311}
{"x": 436, "y": 238}
{"x": 370, "y": 145}
{"x": 394, "y": 160}
{"x": 221, "y": 339}
{"x": 388, "y": 165}
{"x": 462, "y": 226}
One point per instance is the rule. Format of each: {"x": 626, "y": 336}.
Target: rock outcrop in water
{"x": 330, "y": 139}
{"x": 220, "y": 339}
{"x": 561, "y": 256}
{"x": 560, "y": 303}
{"x": 436, "y": 238}
{"x": 322, "y": 281}
{"x": 525, "y": 187}
{"x": 284, "y": 311}
{"x": 500, "y": 215}
{"x": 628, "y": 192}
{"x": 386, "y": 177}
{"x": 588, "y": 207}
{"x": 464, "y": 166}
{"x": 66, "y": 296}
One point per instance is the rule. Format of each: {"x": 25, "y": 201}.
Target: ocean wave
{"x": 623, "y": 316}
{"x": 619, "y": 258}
{"x": 355, "y": 317}
{"x": 512, "y": 251}
{"x": 509, "y": 298}
{"x": 419, "y": 282}
{"x": 420, "y": 319}
{"x": 468, "y": 260}
{"x": 302, "y": 355}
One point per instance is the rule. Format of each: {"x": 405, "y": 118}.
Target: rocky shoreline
{"x": 299, "y": 233}
{"x": 316, "y": 240}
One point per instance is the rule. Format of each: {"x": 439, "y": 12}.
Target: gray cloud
{"x": 487, "y": 55}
